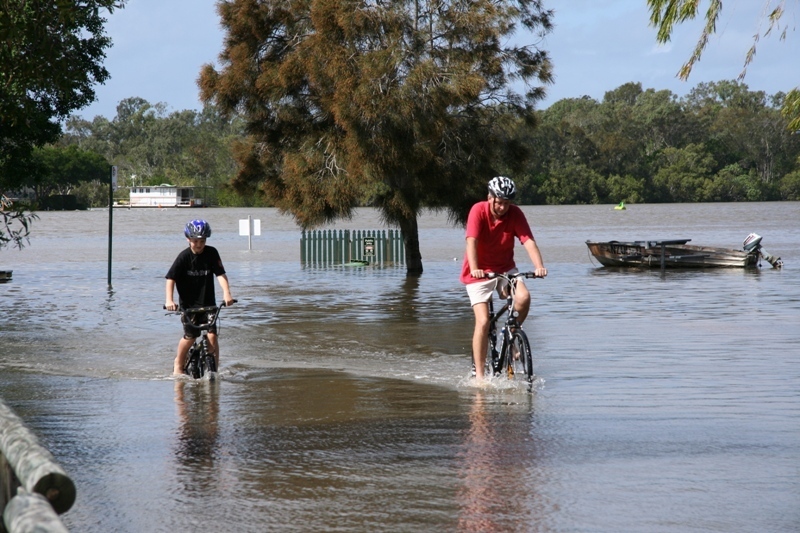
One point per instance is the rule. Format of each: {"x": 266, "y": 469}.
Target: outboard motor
{"x": 753, "y": 243}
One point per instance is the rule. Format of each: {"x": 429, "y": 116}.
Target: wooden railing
{"x": 343, "y": 247}
{"x": 34, "y": 490}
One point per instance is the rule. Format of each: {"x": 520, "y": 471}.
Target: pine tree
{"x": 398, "y": 104}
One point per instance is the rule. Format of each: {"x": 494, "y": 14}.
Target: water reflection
{"x": 196, "y": 448}
{"x": 401, "y": 300}
{"x": 500, "y": 469}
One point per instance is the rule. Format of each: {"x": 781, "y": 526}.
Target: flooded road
{"x": 662, "y": 402}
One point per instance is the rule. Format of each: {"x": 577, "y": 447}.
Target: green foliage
{"x": 789, "y": 186}
{"x": 627, "y": 189}
{"x": 666, "y": 14}
{"x": 574, "y": 184}
{"x": 15, "y": 221}
{"x": 791, "y": 110}
{"x": 683, "y": 173}
{"x": 50, "y": 60}
{"x": 92, "y": 193}
{"x": 581, "y": 151}
{"x": 721, "y": 142}
{"x": 227, "y": 196}
{"x": 151, "y": 146}
{"x": 57, "y": 170}
{"x": 733, "y": 184}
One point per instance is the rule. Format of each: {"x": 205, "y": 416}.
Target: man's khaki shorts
{"x": 481, "y": 291}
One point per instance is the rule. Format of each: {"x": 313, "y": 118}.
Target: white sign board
{"x": 246, "y": 229}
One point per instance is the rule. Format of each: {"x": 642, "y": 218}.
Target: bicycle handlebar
{"x": 198, "y": 309}
{"x": 492, "y": 275}
{"x": 206, "y": 309}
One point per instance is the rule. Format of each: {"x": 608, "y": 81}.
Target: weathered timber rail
{"x": 342, "y": 247}
{"x": 34, "y": 489}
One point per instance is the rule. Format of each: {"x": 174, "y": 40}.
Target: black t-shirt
{"x": 194, "y": 276}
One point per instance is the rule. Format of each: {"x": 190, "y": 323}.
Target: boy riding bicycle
{"x": 192, "y": 273}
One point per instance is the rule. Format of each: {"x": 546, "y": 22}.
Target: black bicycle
{"x": 510, "y": 353}
{"x": 200, "y": 359}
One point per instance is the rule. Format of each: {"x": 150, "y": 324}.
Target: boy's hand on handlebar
{"x": 478, "y": 273}
{"x": 171, "y": 306}
{"x": 540, "y": 272}
{"x": 229, "y": 302}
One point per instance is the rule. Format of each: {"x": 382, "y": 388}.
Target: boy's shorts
{"x": 192, "y": 332}
{"x": 481, "y": 291}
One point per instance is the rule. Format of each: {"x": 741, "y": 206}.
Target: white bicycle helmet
{"x": 502, "y": 187}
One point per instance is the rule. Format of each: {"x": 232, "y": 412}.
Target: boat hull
{"x": 668, "y": 254}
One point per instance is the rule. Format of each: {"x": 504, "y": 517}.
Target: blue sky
{"x": 596, "y": 46}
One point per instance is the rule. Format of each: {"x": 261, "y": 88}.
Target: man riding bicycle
{"x": 492, "y": 226}
{"x": 193, "y": 273}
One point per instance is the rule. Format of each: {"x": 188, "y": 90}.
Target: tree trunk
{"x": 411, "y": 244}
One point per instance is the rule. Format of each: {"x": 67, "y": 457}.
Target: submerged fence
{"x": 342, "y": 247}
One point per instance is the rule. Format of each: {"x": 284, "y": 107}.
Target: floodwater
{"x": 663, "y": 402}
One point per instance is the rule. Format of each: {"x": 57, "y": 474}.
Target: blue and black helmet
{"x": 197, "y": 229}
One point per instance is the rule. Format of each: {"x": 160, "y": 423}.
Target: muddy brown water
{"x": 662, "y": 402}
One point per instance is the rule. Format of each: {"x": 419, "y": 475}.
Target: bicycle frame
{"x": 502, "y": 357}
{"x": 200, "y": 359}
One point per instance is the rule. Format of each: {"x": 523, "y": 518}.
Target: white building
{"x": 164, "y": 195}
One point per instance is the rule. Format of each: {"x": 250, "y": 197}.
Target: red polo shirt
{"x": 495, "y": 239}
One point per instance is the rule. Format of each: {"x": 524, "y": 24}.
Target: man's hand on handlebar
{"x": 478, "y": 273}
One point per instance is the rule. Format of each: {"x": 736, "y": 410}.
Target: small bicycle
{"x": 200, "y": 359}
{"x": 512, "y": 355}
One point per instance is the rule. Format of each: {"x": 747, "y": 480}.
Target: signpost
{"x": 249, "y": 228}
{"x": 112, "y": 185}
{"x": 369, "y": 246}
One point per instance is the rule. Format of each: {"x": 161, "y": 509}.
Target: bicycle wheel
{"x": 193, "y": 363}
{"x": 519, "y": 362}
{"x": 211, "y": 364}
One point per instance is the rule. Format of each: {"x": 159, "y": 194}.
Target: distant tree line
{"x": 719, "y": 143}
{"x": 151, "y": 146}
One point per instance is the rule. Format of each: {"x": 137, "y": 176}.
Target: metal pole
{"x": 111, "y": 184}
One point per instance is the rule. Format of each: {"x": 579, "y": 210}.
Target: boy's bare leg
{"x": 213, "y": 343}
{"x": 180, "y": 357}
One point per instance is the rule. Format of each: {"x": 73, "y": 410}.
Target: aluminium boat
{"x": 677, "y": 253}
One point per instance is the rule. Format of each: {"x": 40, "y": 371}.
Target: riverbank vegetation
{"x": 719, "y": 143}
